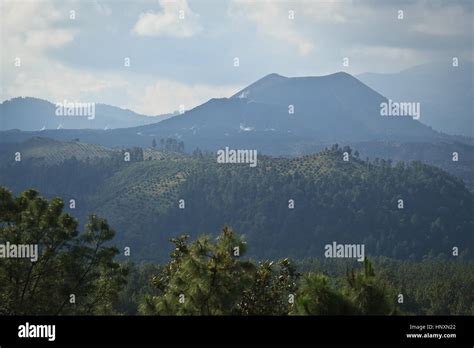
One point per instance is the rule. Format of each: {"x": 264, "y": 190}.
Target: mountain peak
{"x": 264, "y": 82}
{"x": 342, "y": 74}
{"x": 273, "y": 76}
{"x": 338, "y": 76}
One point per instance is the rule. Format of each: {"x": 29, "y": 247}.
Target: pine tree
{"x": 369, "y": 294}
{"x": 74, "y": 273}
{"x": 272, "y": 291}
{"x": 205, "y": 277}
{"x": 317, "y": 296}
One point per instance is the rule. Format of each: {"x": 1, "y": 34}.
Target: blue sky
{"x": 182, "y": 52}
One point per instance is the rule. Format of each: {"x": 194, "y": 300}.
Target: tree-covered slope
{"x": 149, "y": 200}
{"x": 49, "y": 151}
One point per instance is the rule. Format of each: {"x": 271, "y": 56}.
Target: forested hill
{"x": 352, "y": 201}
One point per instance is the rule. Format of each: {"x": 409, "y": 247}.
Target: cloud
{"x": 48, "y": 38}
{"x": 33, "y": 26}
{"x": 57, "y": 82}
{"x": 166, "y": 96}
{"x": 320, "y": 27}
{"x": 382, "y": 57}
{"x": 271, "y": 18}
{"x": 30, "y": 29}
{"x": 176, "y": 19}
{"x": 102, "y": 8}
{"x": 82, "y": 59}
{"x": 444, "y": 22}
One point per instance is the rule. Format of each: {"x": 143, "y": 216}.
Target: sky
{"x": 154, "y": 56}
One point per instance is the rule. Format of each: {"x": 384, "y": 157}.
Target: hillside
{"x": 351, "y": 201}
{"x": 49, "y": 151}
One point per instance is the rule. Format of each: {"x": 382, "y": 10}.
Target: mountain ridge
{"x": 445, "y": 93}
{"x": 275, "y": 115}
{"x": 35, "y": 114}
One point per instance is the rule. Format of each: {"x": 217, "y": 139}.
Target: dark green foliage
{"x": 68, "y": 262}
{"x": 369, "y": 294}
{"x": 212, "y": 279}
{"x": 347, "y": 202}
{"x": 206, "y": 278}
{"x": 210, "y": 276}
{"x": 203, "y": 278}
{"x": 316, "y": 296}
{"x": 139, "y": 286}
{"x": 271, "y": 288}
{"x": 172, "y": 145}
{"x": 363, "y": 293}
{"x": 433, "y": 286}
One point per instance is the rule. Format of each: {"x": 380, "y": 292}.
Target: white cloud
{"x": 322, "y": 33}
{"x": 48, "y": 38}
{"x": 166, "y": 96}
{"x": 176, "y": 19}
{"x": 272, "y": 18}
{"x": 31, "y": 26}
{"x": 29, "y": 30}
{"x": 55, "y": 82}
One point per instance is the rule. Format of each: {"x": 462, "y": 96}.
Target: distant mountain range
{"x": 276, "y": 115}
{"x": 33, "y": 114}
{"x": 327, "y": 108}
{"x": 446, "y": 93}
